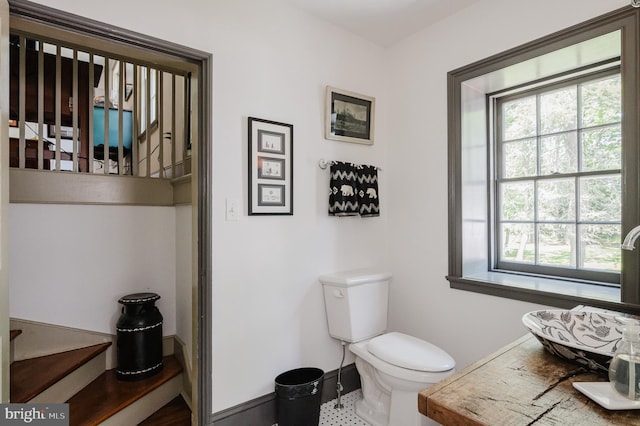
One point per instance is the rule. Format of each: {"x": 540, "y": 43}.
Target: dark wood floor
{"x": 175, "y": 413}
{"x": 30, "y": 377}
{"x": 107, "y": 395}
{"x": 104, "y": 396}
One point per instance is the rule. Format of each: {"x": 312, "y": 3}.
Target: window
{"x": 543, "y": 168}
{"x": 558, "y": 182}
{"x": 148, "y": 81}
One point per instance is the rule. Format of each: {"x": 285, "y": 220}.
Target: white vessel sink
{"x": 588, "y": 338}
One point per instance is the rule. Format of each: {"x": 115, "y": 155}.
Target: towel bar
{"x": 323, "y": 164}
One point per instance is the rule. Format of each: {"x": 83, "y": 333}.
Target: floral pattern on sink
{"x": 587, "y": 338}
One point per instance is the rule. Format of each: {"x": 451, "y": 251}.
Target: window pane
{"x": 518, "y": 242}
{"x": 517, "y": 201}
{"x": 600, "y": 199}
{"x": 602, "y": 149}
{"x": 519, "y": 118}
{"x": 153, "y": 76}
{"x": 556, "y": 199}
{"x": 519, "y": 158}
{"x": 565, "y": 143}
{"x": 559, "y": 154}
{"x": 143, "y": 98}
{"x": 558, "y": 110}
{"x": 557, "y": 244}
{"x": 601, "y": 247}
{"x": 601, "y": 102}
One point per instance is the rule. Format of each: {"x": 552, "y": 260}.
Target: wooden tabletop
{"x": 520, "y": 384}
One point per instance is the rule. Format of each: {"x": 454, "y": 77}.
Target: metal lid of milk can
{"x": 138, "y": 298}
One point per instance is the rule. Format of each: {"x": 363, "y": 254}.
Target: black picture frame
{"x": 270, "y": 167}
{"x": 349, "y": 116}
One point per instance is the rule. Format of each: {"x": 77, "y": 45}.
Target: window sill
{"x": 544, "y": 291}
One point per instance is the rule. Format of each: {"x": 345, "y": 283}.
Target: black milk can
{"x": 139, "y": 337}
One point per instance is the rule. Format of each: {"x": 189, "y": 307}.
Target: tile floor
{"x": 329, "y": 416}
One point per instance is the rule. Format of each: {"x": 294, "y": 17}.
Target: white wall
{"x": 272, "y": 62}
{"x": 69, "y": 265}
{"x": 467, "y": 325}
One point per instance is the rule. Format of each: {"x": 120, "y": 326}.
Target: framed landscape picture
{"x": 270, "y": 167}
{"x": 349, "y": 116}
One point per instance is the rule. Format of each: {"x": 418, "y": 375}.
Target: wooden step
{"x": 175, "y": 413}
{"x": 29, "y": 378}
{"x": 108, "y": 400}
{"x": 14, "y": 333}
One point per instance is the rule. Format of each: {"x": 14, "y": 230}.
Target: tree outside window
{"x": 558, "y": 178}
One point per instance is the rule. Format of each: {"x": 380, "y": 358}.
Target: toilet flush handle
{"x": 338, "y": 293}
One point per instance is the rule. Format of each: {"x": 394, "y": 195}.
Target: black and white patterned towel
{"x": 343, "y": 189}
{"x": 368, "y": 191}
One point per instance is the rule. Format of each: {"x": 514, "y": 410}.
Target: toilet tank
{"x": 356, "y": 303}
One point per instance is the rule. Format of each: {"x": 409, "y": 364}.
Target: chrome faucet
{"x": 631, "y": 238}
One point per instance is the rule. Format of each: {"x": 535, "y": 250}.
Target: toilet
{"x": 393, "y": 366}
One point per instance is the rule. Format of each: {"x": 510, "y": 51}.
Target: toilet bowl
{"x": 393, "y": 368}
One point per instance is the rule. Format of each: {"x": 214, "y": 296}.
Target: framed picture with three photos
{"x": 270, "y": 172}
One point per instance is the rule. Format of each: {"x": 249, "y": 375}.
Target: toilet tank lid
{"x": 354, "y": 277}
{"x": 410, "y": 352}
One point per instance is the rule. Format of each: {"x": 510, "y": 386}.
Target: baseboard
{"x": 349, "y": 378}
{"x": 262, "y": 411}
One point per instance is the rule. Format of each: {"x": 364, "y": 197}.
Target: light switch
{"x": 233, "y": 210}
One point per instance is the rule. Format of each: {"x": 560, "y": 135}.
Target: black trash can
{"x": 139, "y": 337}
{"x": 298, "y": 396}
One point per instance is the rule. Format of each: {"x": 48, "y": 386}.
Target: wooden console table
{"x": 520, "y": 384}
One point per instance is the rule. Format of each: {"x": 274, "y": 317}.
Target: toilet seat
{"x": 361, "y": 350}
{"x": 410, "y": 352}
